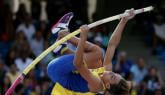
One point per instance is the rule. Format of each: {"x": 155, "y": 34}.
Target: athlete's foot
{"x": 63, "y": 23}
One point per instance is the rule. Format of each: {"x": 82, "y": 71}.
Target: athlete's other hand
{"x": 84, "y": 28}
{"x": 131, "y": 14}
{"x": 84, "y": 31}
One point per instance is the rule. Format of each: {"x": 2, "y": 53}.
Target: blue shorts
{"x": 61, "y": 70}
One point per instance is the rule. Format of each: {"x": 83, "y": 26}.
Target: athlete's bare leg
{"x": 93, "y": 53}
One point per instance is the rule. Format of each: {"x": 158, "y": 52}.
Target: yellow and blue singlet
{"x": 62, "y": 72}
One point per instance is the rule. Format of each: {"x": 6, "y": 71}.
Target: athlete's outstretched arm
{"x": 94, "y": 83}
{"x": 115, "y": 40}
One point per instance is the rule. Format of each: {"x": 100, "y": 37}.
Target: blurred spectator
{"x": 152, "y": 82}
{"x": 37, "y": 44}
{"x": 46, "y": 87}
{"x": 35, "y": 9}
{"x": 158, "y": 92}
{"x": 10, "y": 57}
{"x": 6, "y": 23}
{"x": 28, "y": 86}
{"x": 159, "y": 35}
{"x": 20, "y": 15}
{"x": 159, "y": 27}
{"x": 43, "y": 16}
{"x": 27, "y": 28}
{"x": 39, "y": 72}
{"x": 139, "y": 71}
{"x": 19, "y": 42}
{"x": 31, "y": 84}
{"x": 37, "y": 90}
{"x": 6, "y": 84}
{"x": 103, "y": 33}
{"x": 43, "y": 29}
{"x": 98, "y": 41}
{"x": 9, "y": 27}
{"x": 3, "y": 19}
{"x": 23, "y": 60}
{"x": 19, "y": 90}
{"x": 13, "y": 73}
{"x": 2, "y": 75}
{"x": 123, "y": 64}
{"x": 105, "y": 36}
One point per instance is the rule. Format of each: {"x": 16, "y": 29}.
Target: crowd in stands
{"x": 24, "y": 36}
{"x": 153, "y": 27}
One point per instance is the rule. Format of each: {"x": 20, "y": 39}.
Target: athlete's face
{"x": 110, "y": 78}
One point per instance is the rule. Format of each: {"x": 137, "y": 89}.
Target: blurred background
{"x": 25, "y": 33}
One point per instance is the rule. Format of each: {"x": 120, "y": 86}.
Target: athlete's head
{"x": 115, "y": 84}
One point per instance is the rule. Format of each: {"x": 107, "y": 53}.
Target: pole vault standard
{"x": 56, "y": 44}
